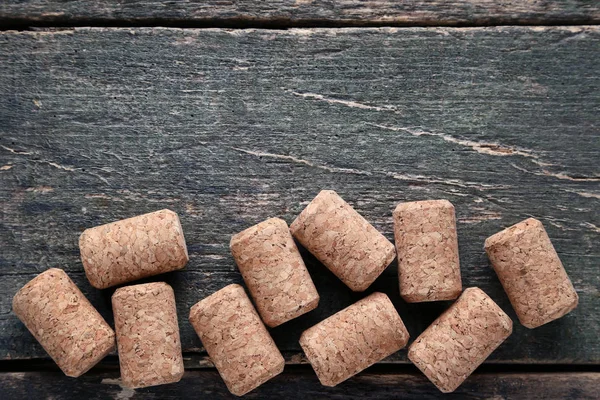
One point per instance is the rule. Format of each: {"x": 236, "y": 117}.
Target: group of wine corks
{"x": 147, "y": 333}
{"x": 233, "y": 332}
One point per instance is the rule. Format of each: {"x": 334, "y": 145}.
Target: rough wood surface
{"x": 207, "y": 384}
{"x": 229, "y": 128}
{"x": 295, "y": 12}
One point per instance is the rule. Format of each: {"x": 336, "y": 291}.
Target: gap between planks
{"x": 23, "y": 24}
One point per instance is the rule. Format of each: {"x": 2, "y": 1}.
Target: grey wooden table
{"x": 232, "y": 112}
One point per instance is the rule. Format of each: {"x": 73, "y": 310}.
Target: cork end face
{"x": 508, "y": 233}
{"x": 107, "y": 346}
{"x": 311, "y": 305}
{"x": 133, "y": 384}
{"x": 327, "y": 193}
{"x": 313, "y": 358}
{"x": 358, "y": 287}
{"x": 382, "y": 264}
{"x": 422, "y": 205}
{"x": 90, "y": 272}
{"x": 230, "y": 290}
{"x": 504, "y": 321}
{"x": 240, "y": 388}
{"x": 324, "y": 197}
{"x": 95, "y": 280}
{"x": 400, "y": 339}
{"x": 17, "y": 298}
{"x": 181, "y": 239}
{"x": 273, "y": 322}
{"x": 414, "y": 357}
{"x": 141, "y": 288}
{"x": 432, "y": 295}
{"x": 244, "y": 236}
{"x": 560, "y": 311}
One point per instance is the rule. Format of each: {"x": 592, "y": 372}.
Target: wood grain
{"x": 229, "y": 128}
{"x": 301, "y": 12}
{"x": 369, "y": 385}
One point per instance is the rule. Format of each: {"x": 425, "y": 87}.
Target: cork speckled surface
{"x": 274, "y": 272}
{"x": 236, "y": 339}
{"x": 147, "y": 335}
{"x": 343, "y": 240}
{"x": 133, "y": 248}
{"x": 64, "y": 322}
{"x": 531, "y": 273}
{"x": 351, "y": 340}
{"x": 456, "y": 343}
{"x": 427, "y": 248}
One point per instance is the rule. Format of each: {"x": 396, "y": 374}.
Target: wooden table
{"x": 108, "y": 111}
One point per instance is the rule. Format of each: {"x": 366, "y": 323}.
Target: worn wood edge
{"x": 293, "y": 381}
{"x": 289, "y": 13}
{"x": 303, "y": 31}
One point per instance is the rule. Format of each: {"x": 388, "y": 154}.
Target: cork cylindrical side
{"x": 236, "y": 340}
{"x": 147, "y": 335}
{"x": 427, "y": 248}
{"x": 133, "y": 248}
{"x": 274, "y": 272}
{"x": 360, "y": 335}
{"x": 531, "y": 273}
{"x": 456, "y": 343}
{"x": 64, "y": 322}
{"x": 345, "y": 242}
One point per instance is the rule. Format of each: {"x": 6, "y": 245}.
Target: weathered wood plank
{"x": 231, "y": 127}
{"x": 208, "y": 384}
{"x": 302, "y": 12}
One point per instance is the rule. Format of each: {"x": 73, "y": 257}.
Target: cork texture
{"x": 147, "y": 335}
{"x": 133, "y": 248}
{"x": 236, "y": 340}
{"x": 343, "y": 240}
{"x": 427, "y": 248}
{"x": 456, "y": 343}
{"x": 64, "y": 322}
{"x": 531, "y": 273}
{"x": 274, "y": 272}
{"x": 353, "y": 339}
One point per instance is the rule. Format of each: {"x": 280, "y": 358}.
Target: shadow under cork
{"x": 416, "y": 316}
{"x": 334, "y": 296}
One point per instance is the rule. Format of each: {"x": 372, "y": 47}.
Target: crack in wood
{"x": 393, "y": 175}
{"x": 347, "y": 103}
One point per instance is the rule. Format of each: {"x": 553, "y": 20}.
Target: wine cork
{"x": 531, "y": 273}
{"x": 147, "y": 335}
{"x": 133, "y": 248}
{"x": 236, "y": 339}
{"x": 274, "y": 272}
{"x": 456, "y": 343}
{"x": 353, "y": 339}
{"x": 343, "y": 240}
{"x": 427, "y": 247}
{"x": 65, "y": 323}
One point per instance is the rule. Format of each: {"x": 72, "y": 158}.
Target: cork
{"x": 236, "y": 340}
{"x": 343, "y": 240}
{"x": 274, "y": 272}
{"x": 531, "y": 273}
{"x": 147, "y": 335}
{"x": 456, "y": 343}
{"x": 427, "y": 248}
{"x": 133, "y": 248}
{"x": 353, "y": 339}
{"x": 64, "y": 322}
